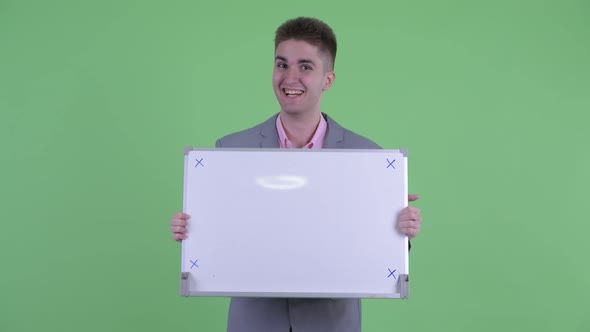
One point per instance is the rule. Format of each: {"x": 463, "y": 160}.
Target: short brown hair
{"x": 310, "y": 30}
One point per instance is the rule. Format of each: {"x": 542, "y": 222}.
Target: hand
{"x": 410, "y": 220}
{"x": 178, "y": 226}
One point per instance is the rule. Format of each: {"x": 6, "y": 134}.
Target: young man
{"x": 305, "y": 51}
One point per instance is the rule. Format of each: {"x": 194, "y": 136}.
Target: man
{"x": 305, "y": 51}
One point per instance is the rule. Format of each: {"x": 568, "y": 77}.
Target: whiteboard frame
{"x": 187, "y": 278}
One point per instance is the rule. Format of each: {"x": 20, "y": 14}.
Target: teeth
{"x": 293, "y": 92}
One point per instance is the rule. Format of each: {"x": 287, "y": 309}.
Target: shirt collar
{"x": 316, "y": 142}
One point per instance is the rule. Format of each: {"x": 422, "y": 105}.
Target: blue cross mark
{"x": 391, "y": 273}
{"x": 390, "y": 163}
{"x": 200, "y": 162}
{"x": 194, "y": 263}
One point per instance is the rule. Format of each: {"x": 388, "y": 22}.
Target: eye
{"x": 282, "y": 65}
{"x": 306, "y": 67}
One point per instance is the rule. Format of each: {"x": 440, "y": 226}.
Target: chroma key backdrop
{"x": 98, "y": 100}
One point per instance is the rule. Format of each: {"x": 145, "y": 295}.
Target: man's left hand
{"x": 410, "y": 220}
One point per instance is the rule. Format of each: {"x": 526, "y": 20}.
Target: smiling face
{"x": 301, "y": 75}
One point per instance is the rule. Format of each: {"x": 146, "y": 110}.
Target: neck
{"x": 300, "y": 127}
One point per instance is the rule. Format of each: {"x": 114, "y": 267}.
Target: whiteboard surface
{"x": 294, "y": 223}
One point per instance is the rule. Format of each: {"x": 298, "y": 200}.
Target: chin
{"x": 291, "y": 110}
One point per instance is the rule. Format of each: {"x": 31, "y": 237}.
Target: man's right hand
{"x": 178, "y": 226}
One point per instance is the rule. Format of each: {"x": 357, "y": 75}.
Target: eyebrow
{"x": 278, "y": 57}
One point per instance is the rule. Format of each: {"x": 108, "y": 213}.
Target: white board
{"x": 295, "y": 223}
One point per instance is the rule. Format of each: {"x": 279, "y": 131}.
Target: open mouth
{"x": 292, "y": 92}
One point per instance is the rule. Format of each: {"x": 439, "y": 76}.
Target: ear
{"x": 329, "y": 80}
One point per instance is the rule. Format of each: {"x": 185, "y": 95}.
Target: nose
{"x": 292, "y": 75}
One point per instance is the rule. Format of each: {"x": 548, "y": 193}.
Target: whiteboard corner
{"x": 404, "y": 286}
{"x": 404, "y": 152}
{"x": 184, "y": 284}
{"x": 188, "y": 149}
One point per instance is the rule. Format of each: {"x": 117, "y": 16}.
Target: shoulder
{"x": 238, "y": 138}
{"x": 247, "y": 137}
{"x": 356, "y": 141}
{"x": 341, "y": 137}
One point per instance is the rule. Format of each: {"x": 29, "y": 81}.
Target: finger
{"x": 180, "y": 237}
{"x": 413, "y": 197}
{"x": 181, "y": 215}
{"x": 410, "y": 220}
{"x": 411, "y": 208}
{"x": 411, "y": 233}
{"x": 407, "y": 224}
{"x": 410, "y": 212}
{"x": 178, "y": 222}
{"x": 410, "y": 230}
{"x": 410, "y": 225}
{"x": 178, "y": 229}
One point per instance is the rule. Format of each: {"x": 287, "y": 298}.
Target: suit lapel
{"x": 269, "y": 137}
{"x": 335, "y": 135}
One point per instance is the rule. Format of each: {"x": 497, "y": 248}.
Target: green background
{"x": 99, "y": 98}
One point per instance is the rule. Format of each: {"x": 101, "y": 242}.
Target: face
{"x": 300, "y": 76}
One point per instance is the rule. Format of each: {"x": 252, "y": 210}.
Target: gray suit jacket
{"x": 303, "y": 315}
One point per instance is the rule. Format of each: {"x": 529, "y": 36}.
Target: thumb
{"x": 412, "y": 198}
